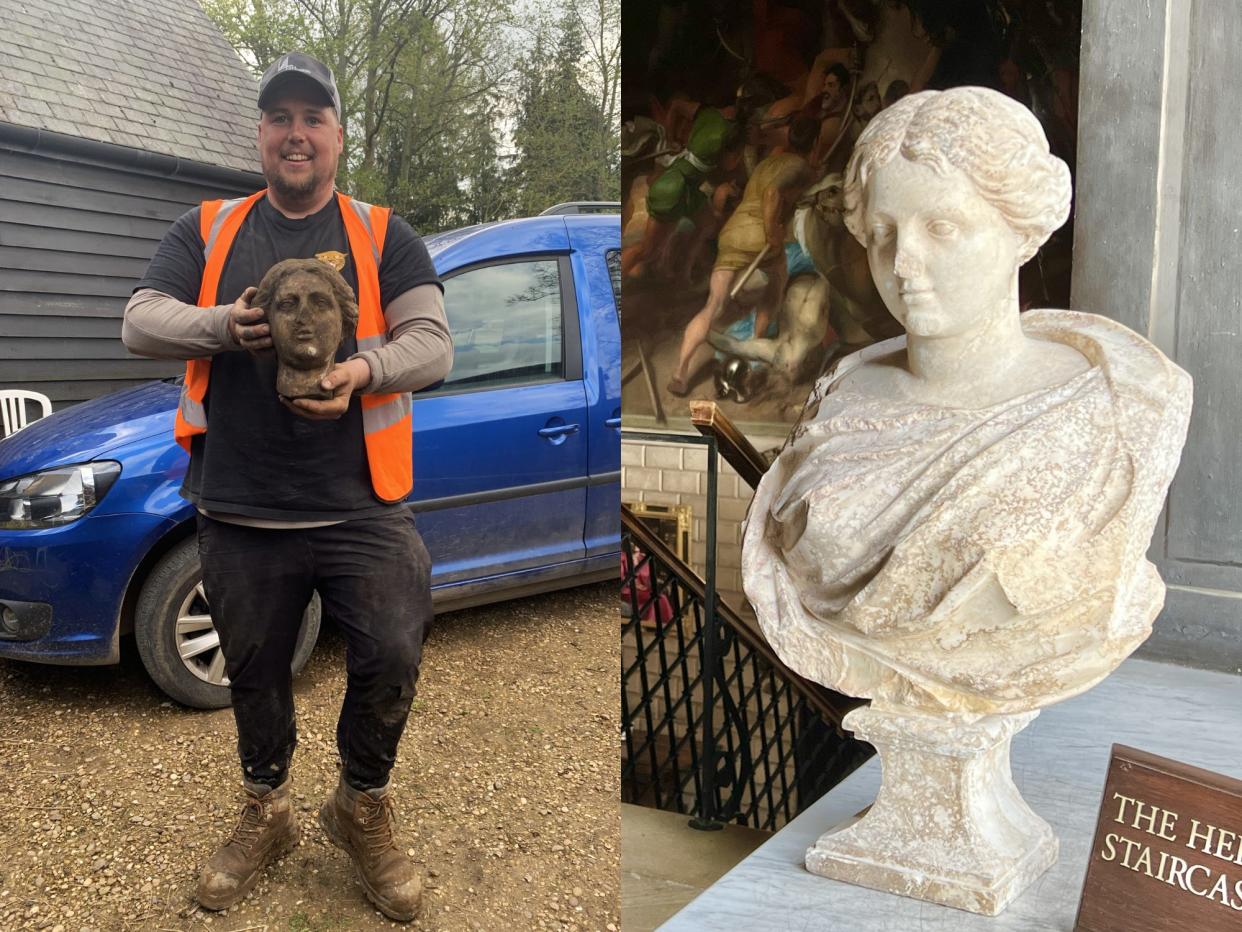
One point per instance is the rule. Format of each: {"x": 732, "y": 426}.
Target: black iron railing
{"x": 713, "y": 724}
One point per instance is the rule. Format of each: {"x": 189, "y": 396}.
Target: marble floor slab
{"x": 665, "y": 863}
{"x": 1059, "y": 764}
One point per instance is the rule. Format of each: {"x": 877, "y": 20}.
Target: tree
{"x": 260, "y": 30}
{"x": 600, "y": 24}
{"x": 438, "y": 155}
{"x": 559, "y": 126}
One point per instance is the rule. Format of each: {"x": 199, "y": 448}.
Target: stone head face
{"x": 942, "y": 257}
{"x": 950, "y": 192}
{"x": 311, "y": 309}
{"x": 996, "y": 144}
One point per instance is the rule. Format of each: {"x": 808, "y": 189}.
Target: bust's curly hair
{"x": 993, "y": 139}
{"x": 340, "y": 288}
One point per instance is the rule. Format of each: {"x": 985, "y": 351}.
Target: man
{"x": 675, "y": 194}
{"x": 833, "y": 102}
{"x": 819, "y": 96}
{"x": 755, "y": 233}
{"x": 300, "y": 495}
{"x": 834, "y": 94}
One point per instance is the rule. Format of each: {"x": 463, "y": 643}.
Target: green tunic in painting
{"x": 676, "y": 193}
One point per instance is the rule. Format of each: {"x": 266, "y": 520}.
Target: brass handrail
{"x": 738, "y": 452}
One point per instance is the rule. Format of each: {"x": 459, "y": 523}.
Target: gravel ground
{"x": 507, "y": 786}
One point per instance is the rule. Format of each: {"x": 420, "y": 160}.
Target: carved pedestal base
{"x": 949, "y": 825}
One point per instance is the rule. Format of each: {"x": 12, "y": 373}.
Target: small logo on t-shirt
{"x": 334, "y": 259}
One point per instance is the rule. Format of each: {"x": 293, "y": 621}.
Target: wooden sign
{"x": 1167, "y": 853}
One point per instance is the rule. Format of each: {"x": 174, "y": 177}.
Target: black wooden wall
{"x": 78, "y": 222}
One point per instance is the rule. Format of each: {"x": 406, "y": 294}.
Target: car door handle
{"x": 613, "y": 422}
{"x": 560, "y": 430}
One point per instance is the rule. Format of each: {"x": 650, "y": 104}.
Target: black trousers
{"x": 373, "y": 576}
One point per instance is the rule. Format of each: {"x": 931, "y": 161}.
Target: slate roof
{"x": 150, "y": 74}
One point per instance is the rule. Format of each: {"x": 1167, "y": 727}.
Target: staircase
{"x": 714, "y": 725}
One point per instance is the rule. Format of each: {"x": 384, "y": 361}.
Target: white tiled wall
{"x": 676, "y": 474}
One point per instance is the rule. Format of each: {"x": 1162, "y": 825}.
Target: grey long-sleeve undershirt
{"x": 419, "y": 352}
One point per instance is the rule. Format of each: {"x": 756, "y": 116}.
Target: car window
{"x": 613, "y": 258}
{"x": 506, "y": 324}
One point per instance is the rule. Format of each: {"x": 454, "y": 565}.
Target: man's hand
{"x": 248, "y": 325}
{"x": 344, "y": 379}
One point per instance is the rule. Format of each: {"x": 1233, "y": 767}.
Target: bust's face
{"x": 943, "y": 258}
{"x": 306, "y": 321}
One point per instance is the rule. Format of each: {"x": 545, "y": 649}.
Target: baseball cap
{"x": 297, "y": 65}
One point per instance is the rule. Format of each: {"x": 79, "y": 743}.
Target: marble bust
{"x": 311, "y": 309}
{"x": 958, "y": 529}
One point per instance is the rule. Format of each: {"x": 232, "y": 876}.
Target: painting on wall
{"x": 740, "y": 282}
{"x": 670, "y": 523}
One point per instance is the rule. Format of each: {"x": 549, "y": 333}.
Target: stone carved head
{"x": 951, "y": 192}
{"x": 311, "y": 310}
{"x": 995, "y": 141}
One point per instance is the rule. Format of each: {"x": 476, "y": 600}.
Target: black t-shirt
{"x": 258, "y": 458}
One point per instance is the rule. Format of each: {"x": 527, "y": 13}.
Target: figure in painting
{"x": 676, "y": 193}
{"x": 752, "y": 245}
{"x": 830, "y": 291}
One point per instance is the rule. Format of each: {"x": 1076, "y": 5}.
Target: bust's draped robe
{"x": 977, "y": 560}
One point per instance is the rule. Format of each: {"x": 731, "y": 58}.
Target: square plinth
{"x": 986, "y": 892}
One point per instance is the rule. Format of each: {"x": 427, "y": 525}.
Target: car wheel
{"x": 177, "y": 641}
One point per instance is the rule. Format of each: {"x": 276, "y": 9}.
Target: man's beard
{"x": 293, "y": 191}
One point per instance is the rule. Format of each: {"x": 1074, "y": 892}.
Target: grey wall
{"x": 78, "y": 223}
{"x": 1157, "y": 246}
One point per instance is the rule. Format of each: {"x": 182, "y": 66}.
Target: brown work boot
{"x": 266, "y": 830}
{"x": 361, "y": 822}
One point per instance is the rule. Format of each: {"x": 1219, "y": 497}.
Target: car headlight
{"x": 55, "y": 496}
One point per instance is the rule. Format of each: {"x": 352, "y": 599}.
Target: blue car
{"x": 517, "y": 460}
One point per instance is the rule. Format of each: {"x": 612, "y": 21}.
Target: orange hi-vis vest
{"x": 386, "y": 421}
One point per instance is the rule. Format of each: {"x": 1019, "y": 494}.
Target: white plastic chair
{"x": 13, "y": 407}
